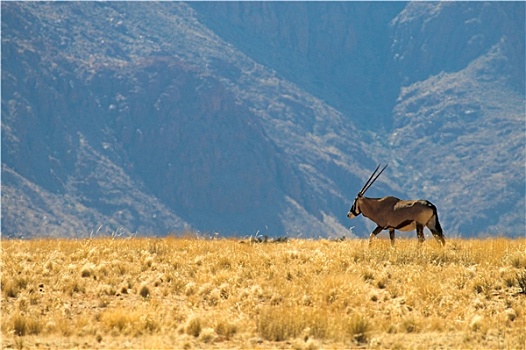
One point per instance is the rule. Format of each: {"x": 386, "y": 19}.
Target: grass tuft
{"x": 225, "y": 329}
{"x": 279, "y": 324}
{"x": 145, "y": 291}
{"x": 358, "y": 328}
{"x": 521, "y": 281}
{"x": 26, "y": 325}
{"x": 194, "y": 326}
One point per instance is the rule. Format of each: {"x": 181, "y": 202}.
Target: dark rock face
{"x": 429, "y": 38}
{"x": 333, "y": 50}
{"x": 245, "y": 117}
{"x": 199, "y": 151}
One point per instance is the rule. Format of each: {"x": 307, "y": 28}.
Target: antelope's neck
{"x": 368, "y": 207}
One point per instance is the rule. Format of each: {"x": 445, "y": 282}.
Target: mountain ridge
{"x": 154, "y": 121}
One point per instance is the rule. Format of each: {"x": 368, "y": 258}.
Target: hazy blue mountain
{"x": 244, "y": 117}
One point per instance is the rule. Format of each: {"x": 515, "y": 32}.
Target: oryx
{"x": 391, "y": 213}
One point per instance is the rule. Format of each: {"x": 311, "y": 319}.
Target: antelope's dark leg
{"x": 420, "y": 232}
{"x": 392, "y": 236}
{"x": 373, "y": 234}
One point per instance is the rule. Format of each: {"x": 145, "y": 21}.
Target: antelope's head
{"x": 355, "y": 209}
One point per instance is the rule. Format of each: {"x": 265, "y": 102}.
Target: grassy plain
{"x": 193, "y": 293}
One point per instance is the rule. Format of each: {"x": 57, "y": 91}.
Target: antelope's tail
{"x": 434, "y": 226}
{"x": 437, "y": 223}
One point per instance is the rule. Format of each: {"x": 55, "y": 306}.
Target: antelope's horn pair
{"x": 370, "y": 182}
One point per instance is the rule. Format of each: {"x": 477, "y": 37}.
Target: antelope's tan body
{"x": 391, "y": 212}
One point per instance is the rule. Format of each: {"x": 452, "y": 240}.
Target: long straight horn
{"x": 368, "y": 185}
{"x": 362, "y": 191}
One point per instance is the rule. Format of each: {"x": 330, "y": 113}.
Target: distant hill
{"x": 237, "y": 118}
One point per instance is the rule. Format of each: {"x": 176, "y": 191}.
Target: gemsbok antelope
{"x": 391, "y": 213}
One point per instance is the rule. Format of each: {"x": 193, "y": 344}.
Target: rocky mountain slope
{"x": 245, "y": 117}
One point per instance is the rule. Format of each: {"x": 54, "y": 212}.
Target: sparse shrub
{"x": 22, "y": 304}
{"x": 484, "y": 285}
{"x": 26, "y": 325}
{"x": 462, "y": 279}
{"x": 521, "y": 281}
{"x": 392, "y": 328}
{"x": 518, "y": 260}
{"x": 509, "y": 281}
{"x": 193, "y": 326}
{"x": 102, "y": 270}
{"x": 177, "y": 286}
{"x": 148, "y": 263}
{"x": 122, "y": 321}
{"x": 410, "y": 325}
{"x": 87, "y": 270}
{"x": 476, "y": 322}
{"x": 205, "y": 289}
{"x": 368, "y": 275}
{"x": 207, "y": 335}
{"x": 478, "y": 287}
{"x": 276, "y": 299}
{"x": 34, "y": 299}
{"x": 10, "y": 289}
{"x": 13, "y": 286}
{"x": 224, "y": 262}
{"x": 74, "y": 286}
{"x": 511, "y": 314}
{"x": 145, "y": 291}
{"x": 121, "y": 268}
{"x": 279, "y": 324}
{"x": 118, "y": 320}
{"x": 149, "y": 324}
{"x": 21, "y": 282}
{"x": 225, "y": 329}
{"x": 158, "y": 247}
{"x": 307, "y": 300}
{"x": 317, "y": 322}
{"x": 311, "y": 344}
{"x": 358, "y": 327}
{"x": 224, "y": 291}
{"x": 209, "y": 294}
{"x": 332, "y": 295}
{"x": 106, "y": 290}
{"x": 20, "y": 325}
{"x": 214, "y": 297}
{"x": 382, "y": 283}
{"x": 190, "y": 288}
{"x": 103, "y": 303}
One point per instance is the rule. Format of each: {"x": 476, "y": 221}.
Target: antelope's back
{"x": 419, "y": 210}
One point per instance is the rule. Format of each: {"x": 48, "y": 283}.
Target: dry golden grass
{"x": 300, "y": 294}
